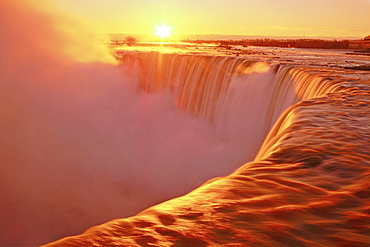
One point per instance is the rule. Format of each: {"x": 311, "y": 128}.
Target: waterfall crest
{"x": 243, "y": 99}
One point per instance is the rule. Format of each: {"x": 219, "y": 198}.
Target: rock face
{"x": 308, "y": 187}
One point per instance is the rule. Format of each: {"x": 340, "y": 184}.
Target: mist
{"x": 79, "y": 144}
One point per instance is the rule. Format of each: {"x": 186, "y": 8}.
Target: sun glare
{"x": 163, "y": 31}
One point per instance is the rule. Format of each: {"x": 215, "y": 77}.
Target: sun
{"x": 163, "y": 31}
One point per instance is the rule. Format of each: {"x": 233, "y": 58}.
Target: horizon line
{"x": 216, "y": 36}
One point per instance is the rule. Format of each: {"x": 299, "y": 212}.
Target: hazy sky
{"x": 334, "y": 18}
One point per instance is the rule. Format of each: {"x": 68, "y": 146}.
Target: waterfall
{"x": 309, "y": 182}
{"x": 243, "y": 99}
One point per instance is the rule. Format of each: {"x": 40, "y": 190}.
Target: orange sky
{"x": 302, "y": 18}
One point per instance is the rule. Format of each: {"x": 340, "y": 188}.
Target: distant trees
{"x": 296, "y": 43}
{"x": 130, "y": 40}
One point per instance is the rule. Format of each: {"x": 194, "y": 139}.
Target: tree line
{"x": 288, "y": 43}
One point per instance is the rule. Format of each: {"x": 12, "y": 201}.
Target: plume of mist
{"x": 32, "y": 27}
{"x": 79, "y": 145}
